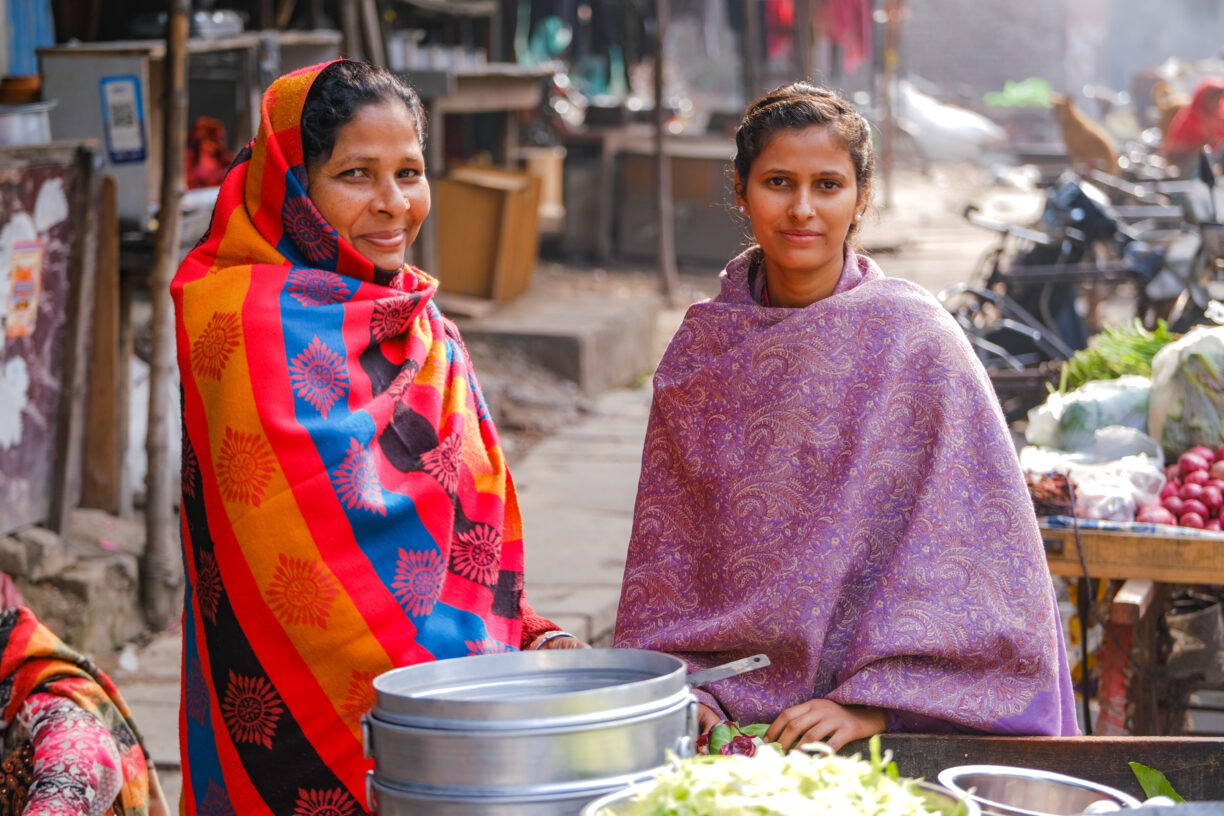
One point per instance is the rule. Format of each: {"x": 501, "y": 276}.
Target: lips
{"x": 800, "y": 236}
{"x": 388, "y": 238}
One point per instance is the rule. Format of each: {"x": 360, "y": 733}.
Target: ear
{"x": 738, "y": 188}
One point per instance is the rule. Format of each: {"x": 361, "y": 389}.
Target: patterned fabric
{"x": 72, "y": 747}
{"x": 835, "y": 487}
{"x": 346, "y": 504}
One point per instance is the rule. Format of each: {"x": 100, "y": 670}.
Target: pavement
{"x": 577, "y": 486}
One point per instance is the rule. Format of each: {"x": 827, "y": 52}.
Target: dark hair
{"x": 800, "y": 105}
{"x": 340, "y": 90}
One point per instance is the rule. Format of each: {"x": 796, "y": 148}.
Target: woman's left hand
{"x": 825, "y": 721}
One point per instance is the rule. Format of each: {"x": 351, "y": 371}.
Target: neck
{"x": 796, "y": 289}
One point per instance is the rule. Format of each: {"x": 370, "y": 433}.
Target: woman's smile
{"x": 389, "y": 239}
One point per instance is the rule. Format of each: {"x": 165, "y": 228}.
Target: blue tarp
{"x": 30, "y": 26}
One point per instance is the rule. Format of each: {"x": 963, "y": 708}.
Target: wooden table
{"x": 1117, "y": 554}
{"x": 1148, "y": 563}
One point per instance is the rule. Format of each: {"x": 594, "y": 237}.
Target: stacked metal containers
{"x": 539, "y": 733}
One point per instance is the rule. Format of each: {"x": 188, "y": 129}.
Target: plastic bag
{"x": 1070, "y": 421}
{"x": 1106, "y": 489}
{"x": 1187, "y": 404}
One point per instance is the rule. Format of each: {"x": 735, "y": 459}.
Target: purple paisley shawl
{"x": 835, "y": 487}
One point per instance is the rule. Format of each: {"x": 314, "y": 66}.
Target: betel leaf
{"x": 755, "y": 730}
{"x": 1154, "y": 783}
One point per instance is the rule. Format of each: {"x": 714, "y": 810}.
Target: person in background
{"x": 828, "y": 479}
{"x": 1197, "y": 125}
{"x": 347, "y": 508}
{"x": 69, "y": 742}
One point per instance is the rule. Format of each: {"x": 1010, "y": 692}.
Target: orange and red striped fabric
{"x": 346, "y": 505}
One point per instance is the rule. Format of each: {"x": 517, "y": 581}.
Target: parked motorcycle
{"x": 1022, "y": 312}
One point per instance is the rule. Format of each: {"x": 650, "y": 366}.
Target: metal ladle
{"x": 735, "y": 667}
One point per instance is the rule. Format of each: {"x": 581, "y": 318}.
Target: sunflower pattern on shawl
{"x": 346, "y": 504}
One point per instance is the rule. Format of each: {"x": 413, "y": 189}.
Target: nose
{"x": 801, "y": 204}
{"x": 389, "y": 198}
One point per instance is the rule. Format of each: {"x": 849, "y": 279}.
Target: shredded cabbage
{"x": 772, "y": 783}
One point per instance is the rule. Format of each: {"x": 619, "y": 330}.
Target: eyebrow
{"x": 823, "y": 173}
{"x": 410, "y": 157}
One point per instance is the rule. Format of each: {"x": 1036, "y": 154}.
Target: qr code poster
{"x": 25, "y": 282}
{"x": 123, "y": 118}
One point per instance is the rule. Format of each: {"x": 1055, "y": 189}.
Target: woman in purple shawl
{"x": 828, "y": 479}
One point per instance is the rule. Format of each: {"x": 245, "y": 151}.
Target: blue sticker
{"x": 123, "y": 118}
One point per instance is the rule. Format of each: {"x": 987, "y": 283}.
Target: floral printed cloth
{"x": 346, "y": 504}
{"x": 835, "y": 487}
{"x": 71, "y": 746}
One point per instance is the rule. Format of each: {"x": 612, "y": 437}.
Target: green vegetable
{"x": 773, "y": 783}
{"x": 1116, "y": 352}
{"x": 1154, "y": 783}
{"x": 720, "y": 735}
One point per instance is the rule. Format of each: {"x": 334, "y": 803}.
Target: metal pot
{"x": 540, "y": 732}
{"x": 1006, "y": 791}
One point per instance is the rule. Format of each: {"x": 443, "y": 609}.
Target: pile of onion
{"x": 1194, "y": 493}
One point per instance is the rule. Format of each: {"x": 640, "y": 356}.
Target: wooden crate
{"x": 488, "y": 232}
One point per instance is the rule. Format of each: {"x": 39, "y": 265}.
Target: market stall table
{"x": 1149, "y": 558}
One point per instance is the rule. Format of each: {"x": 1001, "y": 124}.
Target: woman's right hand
{"x": 707, "y": 718}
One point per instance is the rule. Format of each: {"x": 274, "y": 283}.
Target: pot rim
{"x": 463, "y": 690}
{"x": 948, "y": 776}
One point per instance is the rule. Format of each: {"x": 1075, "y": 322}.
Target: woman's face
{"x": 801, "y": 198}
{"x": 372, "y": 189}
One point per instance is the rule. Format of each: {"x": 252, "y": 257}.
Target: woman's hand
{"x": 707, "y": 718}
{"x": 824, "y": 721}
{"x": 564, "y": 642}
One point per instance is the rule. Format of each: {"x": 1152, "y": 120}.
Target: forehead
{"x": 815, "y": 148}
{"x": 385, "y": 125}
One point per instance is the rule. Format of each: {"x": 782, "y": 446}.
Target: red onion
{"x": 1191, "y": 491}
{"x": 1190, "y": 462}
{"x": 1197, "y": 477}
{"x": 1155, "y": 514}
{"x": 1195, "y": 506}
{"x": 1205, "y": 452}
{"x": 1191, "y": 520}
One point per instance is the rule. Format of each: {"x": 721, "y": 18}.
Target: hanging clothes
{"x": 848, "y": 23}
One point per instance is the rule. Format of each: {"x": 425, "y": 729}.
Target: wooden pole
{"x": 803, "y": 38}
{"x": 753, "y": 85}
{"x": 102, "y": 470}
{"x": 71, "y": 419}
{"x": 669, "y": 279}
{"x": 350, "y": 29}
{"x": 161, "y": 567}
{"x": 892, "y": 35}
{"x": 371, "y": 26}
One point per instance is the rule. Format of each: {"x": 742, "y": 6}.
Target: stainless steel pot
{"x": 543, "y": 730}
{"x": 1003, "y": 790}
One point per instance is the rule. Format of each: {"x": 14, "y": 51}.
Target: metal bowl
{"x": 1008, "y": 791}
{"x": 939, "y": 799}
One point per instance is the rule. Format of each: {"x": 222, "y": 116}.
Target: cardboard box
{"x": 488, "y": 231}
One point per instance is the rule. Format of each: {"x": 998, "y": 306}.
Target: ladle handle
{"x": 713, "y": 675}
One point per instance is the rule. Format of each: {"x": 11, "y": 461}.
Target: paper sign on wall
{"x": 123, "y": 118}
{"x": 25, "y": 282}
